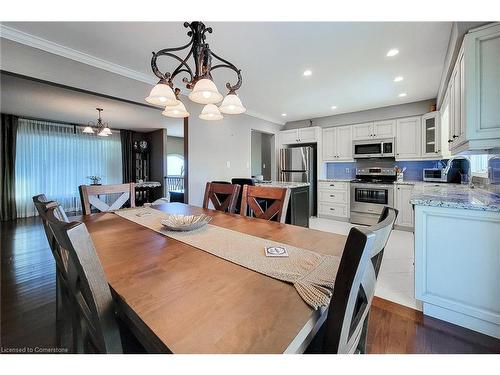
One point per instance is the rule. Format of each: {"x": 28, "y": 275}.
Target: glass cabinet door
{"x": 430, "y": 135}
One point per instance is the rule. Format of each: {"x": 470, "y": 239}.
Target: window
{"x": 175, "y": 165}
{"x": 54, "y": 160}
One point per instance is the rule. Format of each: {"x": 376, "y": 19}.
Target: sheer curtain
{"x": 54, "y": 159}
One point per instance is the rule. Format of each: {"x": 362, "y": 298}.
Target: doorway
{"x": 262, "y": 145}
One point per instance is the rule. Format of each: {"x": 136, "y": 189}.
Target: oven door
{"x": 371, "y": 198}
{"x": 367, "y": 149}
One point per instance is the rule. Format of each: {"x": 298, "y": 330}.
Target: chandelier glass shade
{"x": 211, "y": 113}
{"x": 198, "y": 80}
{"x": 176, "y": 111}
{"x": 101, "y": 128}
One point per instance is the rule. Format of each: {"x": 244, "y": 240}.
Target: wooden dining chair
{"x": 222, "y": 196}
{"x": 63, "y": 296}
{"x": 346, "y": 325}
{"x": 275, "y": 210}
{"x": 90, "y": 196}
{"x": 88, "y": 286}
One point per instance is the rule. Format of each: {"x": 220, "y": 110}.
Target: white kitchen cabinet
{"x": 431, "y": 135}
{"x": 303, "y": 135}
{"x": 362, "y": 131}
{"x": 444, "y": 122}
{"x": 474, "y": 94}
{"x": 337, "y": 143}
{"x": 408, "y": 138}
{"x": 402, "y": 196}
{"x": 384, "y": 129}
{"x": 333, "y": 199}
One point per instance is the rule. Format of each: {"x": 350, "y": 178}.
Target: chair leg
{"x": 59, "y": 312}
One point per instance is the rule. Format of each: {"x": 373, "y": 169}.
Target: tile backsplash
{"x": 413, "y": 169}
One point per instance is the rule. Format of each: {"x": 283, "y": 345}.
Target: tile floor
{"x": 396, "y": 280}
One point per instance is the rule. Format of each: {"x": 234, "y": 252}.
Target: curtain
{"x": 55, "y": 159}
{"x": 7, "y": 167}
{"x": 127, "y": 143}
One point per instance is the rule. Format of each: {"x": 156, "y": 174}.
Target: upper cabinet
{"x": 408, "y": 138}
{"x": 473, "y": 93}
{"x": 303, "y": 135}
{"x": 431, "y": 135}
{"x": 337, "y": 143}
{"x": 374, "y": 130}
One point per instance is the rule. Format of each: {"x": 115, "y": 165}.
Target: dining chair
{"x": 90, "y": 196}
{"x": 88, "y": 286}
{"x": 346, "y": 325}
{"x": 276, "y": 210}
{"x": 63, "y": 295}
{"x": 222, "y": 196}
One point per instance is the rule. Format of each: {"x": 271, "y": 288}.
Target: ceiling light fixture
{"x": 283, "y": 114}
{"x": 307, "y": 73}
{"x": 398, "y": 79}
{"x": 102, "y": 128}
{"x": 402, "y": 95}
{"x": 199, "y": 80}
{"x": 392, "y": 52}
{"x": 334, "y": 107}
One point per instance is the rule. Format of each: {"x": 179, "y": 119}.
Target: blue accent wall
{"x": 413, "y": 169}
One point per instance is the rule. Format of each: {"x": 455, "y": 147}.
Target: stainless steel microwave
{"x": 434, "y": 175}
{"x": 380, "y": 148}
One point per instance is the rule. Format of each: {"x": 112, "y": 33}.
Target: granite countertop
{"x": 335, "y": 179}
{"x": 281, "y": 184}
{"x": 455, "y": 196}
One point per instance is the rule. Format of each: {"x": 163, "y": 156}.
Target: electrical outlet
{"x": 347, "y": 170}
{"x": 264, "y": 166}
{"x": 228, "y": 164}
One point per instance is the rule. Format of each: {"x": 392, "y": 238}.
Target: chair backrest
{"x": 222, "y": 196}
{"x": 88, "y": 285}
{"x": 89, "y": 195}
{"x": 242, "y": 182}
{"x": 277, "y": 209}
{"x": 354, "y": 288}
{"x": 42, "y": 204}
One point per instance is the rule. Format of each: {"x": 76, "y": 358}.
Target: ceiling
{"x": 348, "y": 60}
{"x": 25, "y": 97}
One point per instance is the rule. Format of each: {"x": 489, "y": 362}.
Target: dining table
{"x": 176, "y": 298}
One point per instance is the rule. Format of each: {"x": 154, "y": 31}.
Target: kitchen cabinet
{"x": 384, "y": 129}
{"x": 362, "y": 131}
{"x": 444, "y": 121}
{"x": 431, "y": 135}
{"x": 402, "y": 196}
{"x": 303, "y": 135}
{"x": 473, "y": 93}
{"x": 408, "y": 138}
{"x": 333, "y": 199}
{"x": 374, "y": 130}
{"x": 298, "y": 207}
{"x": 337, "y": 143}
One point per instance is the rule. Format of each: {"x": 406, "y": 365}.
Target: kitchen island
{"x": 298, "y": 206}
{"x": 457, "y": 254}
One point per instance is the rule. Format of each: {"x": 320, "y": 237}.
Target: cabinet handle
{"x": 397, "y": 154}
{"x": 455, "y": 136}
{"x": 332, "y": 196}
{"x": 332, "y": 185}
{"x": 332, "y": 209}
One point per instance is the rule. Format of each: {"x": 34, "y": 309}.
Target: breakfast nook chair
{"x": 275, "y": 210}
{"x": 90, "y": 196}
{"x": 222, "y": 196}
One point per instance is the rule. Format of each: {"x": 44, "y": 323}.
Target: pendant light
{"x": 211, "y": 113}
{"x": 162, "y": 94}
{"x": 102, "y": 128}
{"x": 205, "y": 92}
{"x": 232, "y": 105}
{"x": 175, "y": 111}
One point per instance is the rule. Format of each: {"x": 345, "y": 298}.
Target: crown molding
{"x": 84, "y": 58}
{"x": 69, "y": 53}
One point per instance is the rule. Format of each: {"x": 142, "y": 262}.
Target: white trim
{"x": 84, "y": 58}
{"x": 69, "y": 53}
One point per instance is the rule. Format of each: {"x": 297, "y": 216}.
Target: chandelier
{"x": 199, "y": 81}
{"x": 101, "y": 128}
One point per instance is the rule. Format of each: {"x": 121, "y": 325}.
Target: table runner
{"x": 311, "y": 274}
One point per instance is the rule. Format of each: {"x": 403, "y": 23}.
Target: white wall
{"x": 213, "y": 143}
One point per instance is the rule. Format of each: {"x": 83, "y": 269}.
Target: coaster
{"x": 276, "y": 251}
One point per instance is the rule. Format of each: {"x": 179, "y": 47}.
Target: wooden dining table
{"x": 180, "y": 299}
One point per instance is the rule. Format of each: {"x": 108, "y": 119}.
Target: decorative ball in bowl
{"x": 185, "y": 223}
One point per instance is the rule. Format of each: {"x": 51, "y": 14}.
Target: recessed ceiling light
{"x": 307, "y": 73}
{"x": 392, "y": 52}
{"x": 334, "y": 107}
{"x": 283, "y": 114}
{"x": 402, "y": 95}
{"x": 398, "y": 79}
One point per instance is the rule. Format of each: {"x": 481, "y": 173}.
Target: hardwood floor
{"x": 28, "y": 305}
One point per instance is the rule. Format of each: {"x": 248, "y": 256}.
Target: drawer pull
{"x": 332, "y": 185}
{"x": 332, "y": 196}
{"x": 332, "y": 209}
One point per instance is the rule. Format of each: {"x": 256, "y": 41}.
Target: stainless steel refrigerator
{"x": 298, "y": 164}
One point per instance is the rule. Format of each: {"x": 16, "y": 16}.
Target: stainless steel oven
{"x": 380, "y": 148}
{"x": 368, "y": 200}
